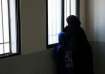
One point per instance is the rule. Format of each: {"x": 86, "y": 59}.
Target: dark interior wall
{"x": 38, "y": 63}
{"x": 95, "y": 24}
{"x": 33, "y": 25}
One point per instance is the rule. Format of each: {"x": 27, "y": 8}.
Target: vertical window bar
{"x": 9, "y": 26}
{"x": 63, "y": 15}
{"x": 78, "y": 8}
{"x": 65, "y": 6}
{"x": 70, "y": 7}
{"x": 47, "y": 35}
{"x": 18, "y": 29}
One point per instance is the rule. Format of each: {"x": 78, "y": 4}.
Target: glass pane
{"x": 67, "y": 10}
{"x": 73, "y": 7}
{"x": 49, "y": 39}
{"x": 54, "y": 20}
{"x": 13, "y": 25}
{"x": 6, "y": 48}
{"x": 53, "y": 39}
{"x": 5, "y": 20}
{"x": 70, "y": 9}
{"x": 1, "y": 48}
{"x": 1, "y": 31}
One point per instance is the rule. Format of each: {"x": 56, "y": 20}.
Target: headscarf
{"x": 73, "y": 23}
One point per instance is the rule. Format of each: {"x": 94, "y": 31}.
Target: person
{"x": 75, "y": 52}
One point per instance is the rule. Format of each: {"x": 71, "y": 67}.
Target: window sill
{"x": 9, "y": 55}
{"x": 52, "y": 45}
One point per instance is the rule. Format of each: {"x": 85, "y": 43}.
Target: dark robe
{"x": 74, "y": 53}
{"x": 77, "y": 42}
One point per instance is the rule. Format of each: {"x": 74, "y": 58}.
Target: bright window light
{"x": 8, "y": 27}
{"x": 73, "y": 7}
{"x": 55, "y": 17}
{"x": 13, "y": 26}
{"x": 54, "y": 20}
{"x": 69, "y": 9}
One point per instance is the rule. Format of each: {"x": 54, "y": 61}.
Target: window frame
{"x": 62, "y": 23}
{"x": 18, "y": 32}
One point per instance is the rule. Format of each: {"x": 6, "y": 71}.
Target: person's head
{"x": 73, "y": 21}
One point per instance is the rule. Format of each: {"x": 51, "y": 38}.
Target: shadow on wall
{"x": 99, "y": 57}
{"x": 39, "y": 63}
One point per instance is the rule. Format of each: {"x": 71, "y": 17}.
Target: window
{"x": 9, "y": 27}
{"x": 57, "y": 12}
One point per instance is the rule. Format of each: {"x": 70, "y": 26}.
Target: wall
{"x": 95, "y": 20}
{"x": 83, "y": 13}
{"x": 95, "y": 25}
{"x": 37, "y": 63}
{"x": 33, "y": 25}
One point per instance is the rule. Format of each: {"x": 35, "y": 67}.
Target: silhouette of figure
{"x": 74, "y": 50}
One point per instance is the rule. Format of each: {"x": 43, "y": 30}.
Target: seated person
{"x": 75, "y": 55}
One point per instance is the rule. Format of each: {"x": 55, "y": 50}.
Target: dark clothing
{"x": 75, "y": 55}
{"x": 81, "y": 50}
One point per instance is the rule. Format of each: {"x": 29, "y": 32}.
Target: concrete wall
{"x": 95, "y": 28}
{"x": 83, "y": 13}
{"x": 33, "y": 25}
{"x": 37, "y": 63}
{"x": 95, "y": 20}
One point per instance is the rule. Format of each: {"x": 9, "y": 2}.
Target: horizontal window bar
{"x": 5, "y": 43}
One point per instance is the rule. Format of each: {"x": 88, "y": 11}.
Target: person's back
{"x": 76, "y": 48}
{"x": 81, "y": 51}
